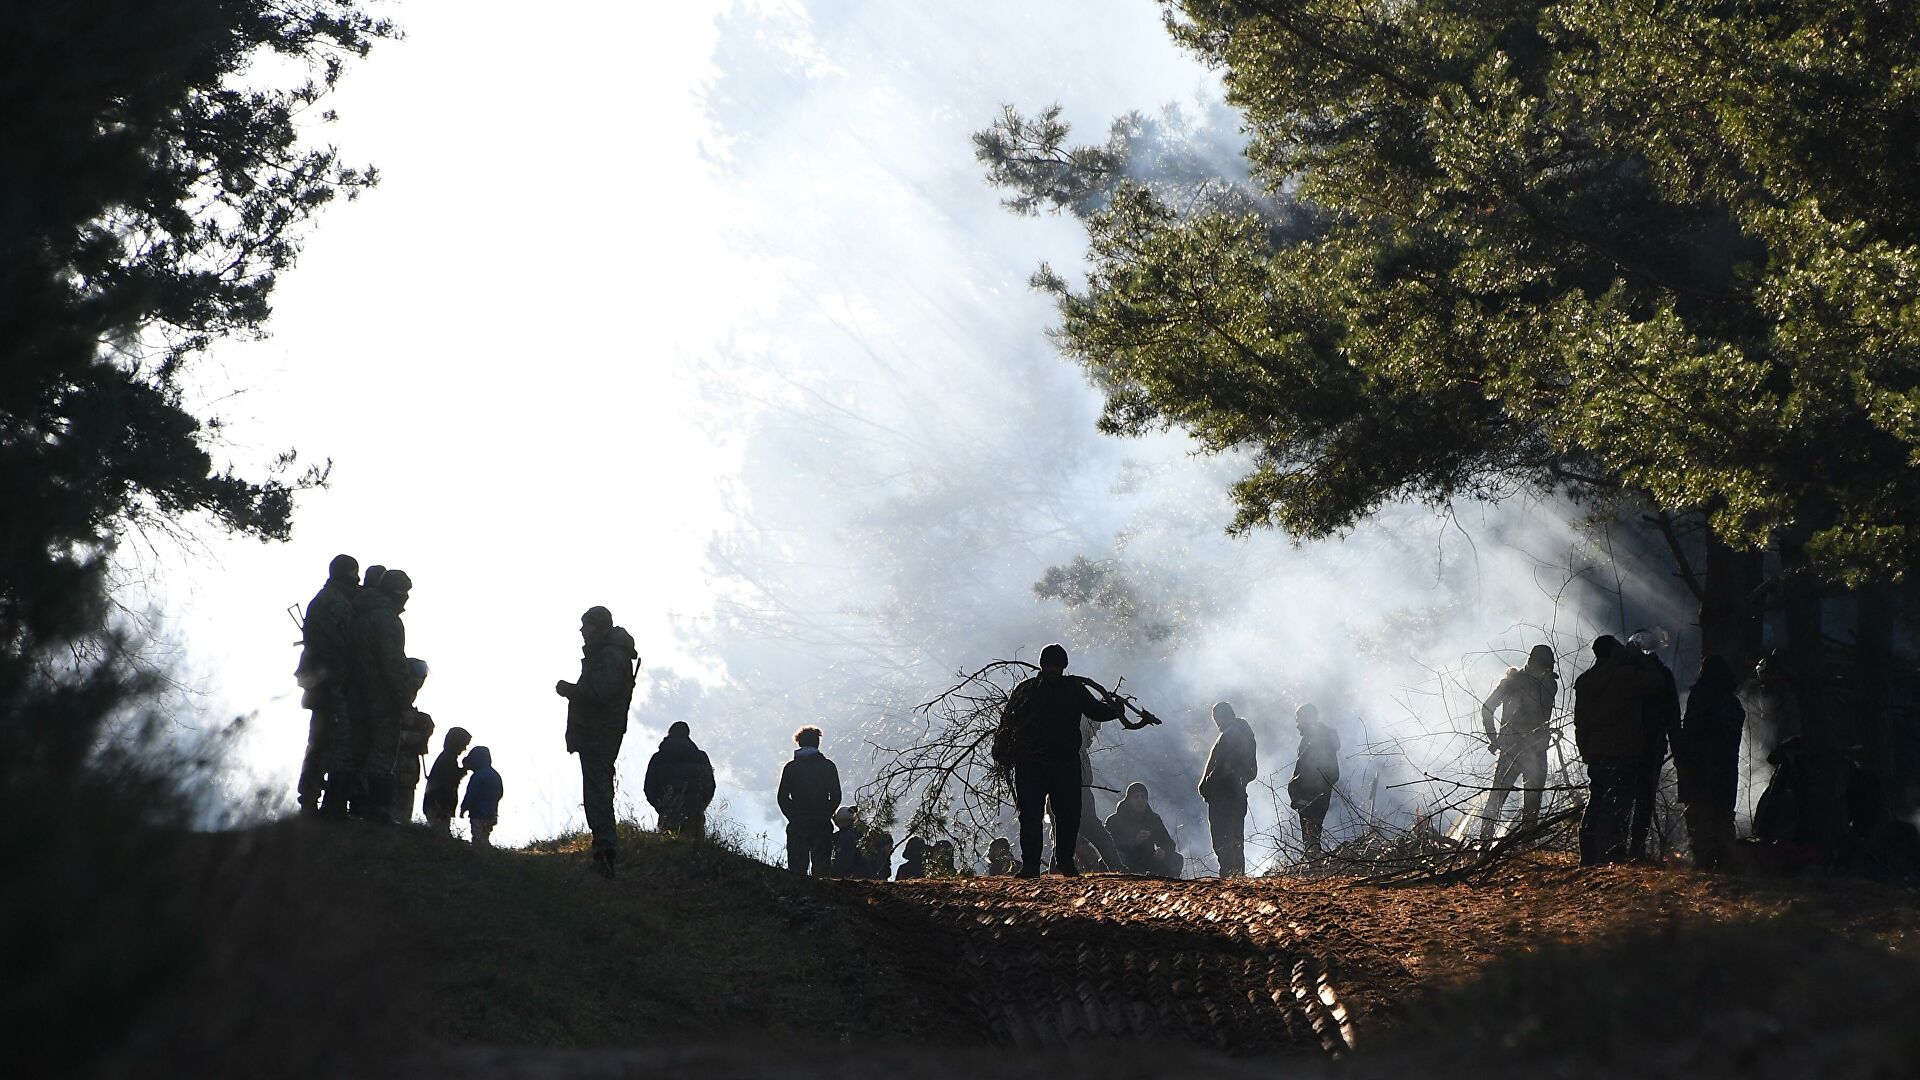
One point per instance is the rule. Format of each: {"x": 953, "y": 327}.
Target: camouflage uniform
{"x": 597, "y": 723}
{"x": 1524, "y": 700}
{"x": 416, "y": 734}
{"x": 385, "y": 687}
{"x": 325, "y": 676}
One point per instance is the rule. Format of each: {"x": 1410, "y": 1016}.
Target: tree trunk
{"x": 1873, "y": 674}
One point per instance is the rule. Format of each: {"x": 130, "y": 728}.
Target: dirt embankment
{"x": 1543, "y": 964}
{"x": 696, "y": 960}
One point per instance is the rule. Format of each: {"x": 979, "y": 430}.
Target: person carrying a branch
{"x": 1042, "y": 716}
{"x": 1524, "y": 700}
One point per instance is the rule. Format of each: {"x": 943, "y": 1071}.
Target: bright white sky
{"x": 500, "y": 346}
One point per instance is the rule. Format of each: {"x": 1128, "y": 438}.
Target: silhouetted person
{"x": 416, "y": 740}
{"x": 809, "y": 794}
{"x": 1660, "y": 717}
{"x": 859, "y": 852}
{"x": 1524, "y": 699}
{"x": 679, "y": 783}
{"x": 1044, "y": 713}
{"x": 1145, "y": 845}
{"x": 1611, "y": 734}
{"x": 1706, "y": 754}
{"x": 597, "y": 722}
{"x": 941, "y": 859}
{"x": 443, "y": 781}
{"x": 385, "y": 686}
{"x": 481, "y": 807}
{"x": 1092, "y": 830}
{"x": 999, "y": 857}
{"x": 913, "y": 860}
{"x": 325, "y": 673}
{"x": 1316, "y": 769}
{"x": 1232, "y": 764}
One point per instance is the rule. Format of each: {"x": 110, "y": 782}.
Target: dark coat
{"x": 679, "y": 778}
{"x": 597, "y": 705}
{"x": 1317, "y": 767}
{"x": 862, "y": 852}
{"x": 1232, "y": 764}
{"x": 382, "y": 677}
{"x": 1139, "y": 856}
{"x": 1707, "y": 749}
{"x": 809, "y": 787}
{"x": 326, "y": 636}
{"x": 485, "y": 789}
{"x": 1044, "y": 712}
{"x": 1608, "y": 699}
{"x": 1660, "y": 712}
{"x": 1524, "y": 700}
{"x": 443, "y": 784}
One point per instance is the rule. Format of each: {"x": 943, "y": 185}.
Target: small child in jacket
{"x": 443, "y": 782}
{"x": 481, "y": 807}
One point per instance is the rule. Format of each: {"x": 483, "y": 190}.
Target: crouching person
{"x": 481, "y": 807}
{"x": 679, "y": 783}
{"x": 1145, "y": 845}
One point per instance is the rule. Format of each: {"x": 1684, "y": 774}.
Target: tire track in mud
{"x": 1059, "y": 962}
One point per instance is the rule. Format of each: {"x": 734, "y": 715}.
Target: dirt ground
{"x": 1294, "y": 964}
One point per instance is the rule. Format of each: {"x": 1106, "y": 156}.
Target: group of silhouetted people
{"x": 366, "y": 737}
{"x": 366, "y": 741}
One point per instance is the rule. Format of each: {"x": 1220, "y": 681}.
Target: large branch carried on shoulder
{"x": 945, "y": 781}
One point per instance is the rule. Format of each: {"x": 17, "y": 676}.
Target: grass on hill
{"x": 691, "y": 941}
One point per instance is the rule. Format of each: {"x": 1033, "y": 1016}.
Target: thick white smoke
{"x": 916, "y": 456}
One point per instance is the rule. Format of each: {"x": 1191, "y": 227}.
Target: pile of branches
{"x": 1425, "y": 855}
{"x": 1388, "y": 850}
{"x": 945, "y": 779}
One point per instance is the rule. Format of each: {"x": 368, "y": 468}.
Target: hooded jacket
{"x": 809, "y": 787}
{"x": 1608, "y": 699}
{"x": 383, "y": 676}
{"x": 1232, "y": 764}
{"x": 484, "y": 789}
{"x": 597, "y": 706}
{"x": 679, "y": 777}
